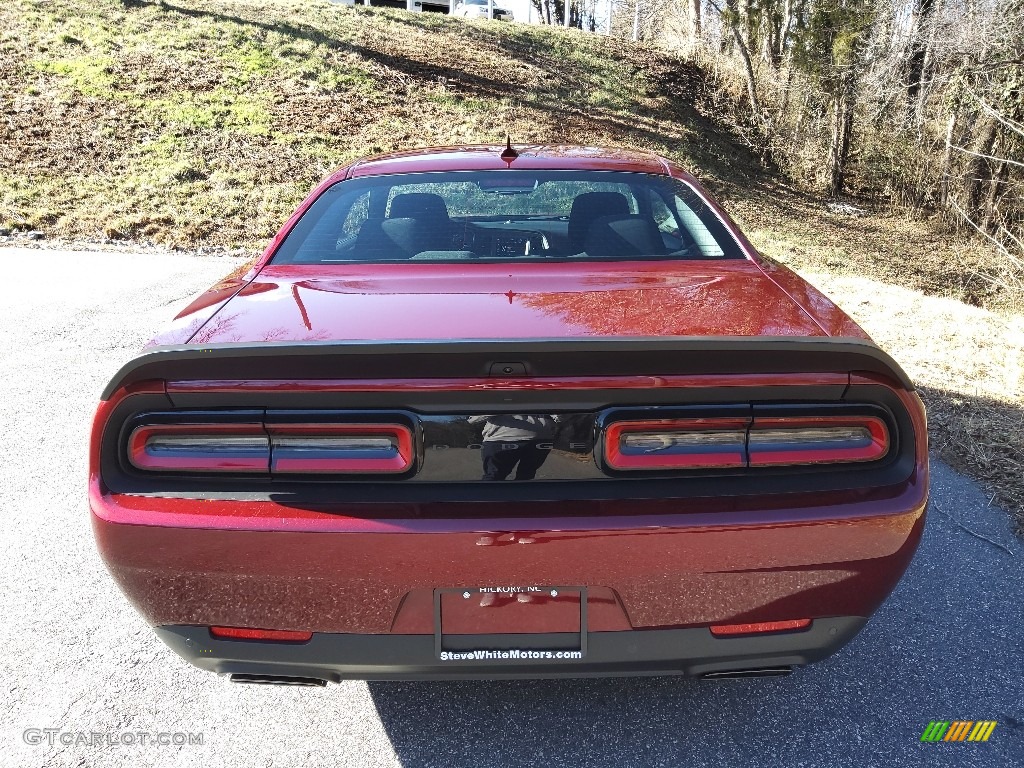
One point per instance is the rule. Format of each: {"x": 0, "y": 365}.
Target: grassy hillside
{"x": 205, "y": 122}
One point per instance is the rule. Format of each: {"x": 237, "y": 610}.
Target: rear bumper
{"x": 641, "y": 572}
{"x": 335, "y": 657}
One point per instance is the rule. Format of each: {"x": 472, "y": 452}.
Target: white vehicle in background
{"x": 414, "y": 6}
{"x": 477, "y": 9}
{"x": 466, "y": 9}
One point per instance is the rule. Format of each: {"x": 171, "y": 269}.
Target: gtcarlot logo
{"x": 510, "y": 655}
{"x": 52, "y": 736}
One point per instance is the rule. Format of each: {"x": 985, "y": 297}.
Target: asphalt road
{"x": 948, "y": 645}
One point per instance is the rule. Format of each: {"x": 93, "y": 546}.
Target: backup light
{"x": 812, "y": 440}
{"x": 676, "y": 444}
{"x": 380, "y": 449}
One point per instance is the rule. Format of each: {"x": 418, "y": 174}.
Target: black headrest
{"x": 411, "y": 236}
{"x": 630, "y": 235}
{"x": 418, "y": 205}
{"x": 590, "y": 206}
{"x": 400, "y": 238}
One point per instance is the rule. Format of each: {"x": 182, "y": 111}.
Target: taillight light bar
{"x": 200, "y": 448}
{"x": 816, "y": 440}
{"x": 346, "y": 449}
{"x": 676, "y": 444}
{"x": 665, "y": 444}
{"x": 379, "y": 449}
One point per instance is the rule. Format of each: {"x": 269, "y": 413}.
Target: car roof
{"x": 488, "y": 157}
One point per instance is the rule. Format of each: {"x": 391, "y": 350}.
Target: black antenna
{"x": 508, "y": 154}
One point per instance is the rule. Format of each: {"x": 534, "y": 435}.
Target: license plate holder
{"x": 559, "y": 612}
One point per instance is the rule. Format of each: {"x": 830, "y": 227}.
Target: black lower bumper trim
{"x": 336, "y": 657}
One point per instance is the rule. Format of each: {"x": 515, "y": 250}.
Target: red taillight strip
{"x": 816, "y": 440}
{"x": 385, "y": 449}
{"x": 232, "y": 448}
{"x": 711, "y": 443}
{"x": 727, "y": 630}
{"x": 738, "y": 442}
{"x": 373, "y": 449}
{"x": 245, "y": 633}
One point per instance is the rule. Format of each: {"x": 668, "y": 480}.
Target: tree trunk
{"x": 787, "y": 23}
{"x": 922, "y": 37}
{"x": 784, "y": 109}
{"x": 977, "y": 167}
{"x": 696, "y": 28}
{"x": 918, "y": 50}
{"x": 990, "y": 222}
{"x": 748, "y": 68}
{"x": 771, "y": 44}
{"x": 842, "y": 128}
{"x": 947, "y": 158}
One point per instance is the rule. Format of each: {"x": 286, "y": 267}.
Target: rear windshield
{"x": 507, "y": 216}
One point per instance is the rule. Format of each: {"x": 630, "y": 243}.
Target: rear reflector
{"x": 200, "y": 448}
{"x": 810, "y": 440}
{"x": 378, "y": 449}
{"x": 726, "y": 630}
{"x": 676, "y": 444}
{"x": 244, "y": 633}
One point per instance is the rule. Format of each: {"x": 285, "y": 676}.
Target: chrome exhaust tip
{"x": 314, "y": 682}
{"x": 739, "y": 674}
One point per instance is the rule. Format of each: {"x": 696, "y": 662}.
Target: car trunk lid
{"x": 494, "y": 301}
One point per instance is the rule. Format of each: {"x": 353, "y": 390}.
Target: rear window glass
{"x": 508, "y": 216}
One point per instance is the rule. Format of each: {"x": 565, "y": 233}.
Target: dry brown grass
{"x": 949, "y": 310}
{"x": 800, "y": 230}
{"x": 967, "y": 362}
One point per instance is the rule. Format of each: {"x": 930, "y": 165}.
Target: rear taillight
{"x": 666, "y": 444}
{"x": 676, "y": 443}
{"x": 809, "y": 440}
{"x": 245, "y": 633}
{"x": 200, "y": 448}
{"x": 345, "y": 449}
{"x": 377, "y": 449}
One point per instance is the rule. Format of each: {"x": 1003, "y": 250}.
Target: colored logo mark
{"x": 958, "y": 730}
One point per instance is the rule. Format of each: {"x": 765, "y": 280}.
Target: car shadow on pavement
{"x": 945, "y": 646}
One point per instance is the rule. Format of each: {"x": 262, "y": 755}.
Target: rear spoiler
{"x": 509, "y": 358}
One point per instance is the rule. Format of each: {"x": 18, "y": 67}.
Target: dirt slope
{"x": 204, "y": 122}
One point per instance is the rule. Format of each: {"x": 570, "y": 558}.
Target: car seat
{"x": 629, "y": 235}
{"x": 588, "y": 207}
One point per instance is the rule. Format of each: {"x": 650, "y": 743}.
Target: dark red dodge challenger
{"x": 496, "y": 412}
